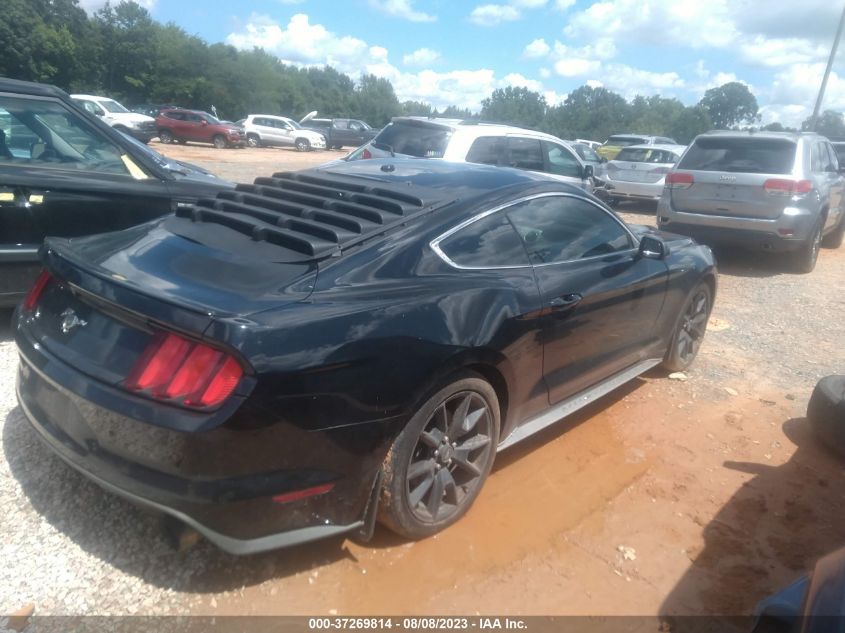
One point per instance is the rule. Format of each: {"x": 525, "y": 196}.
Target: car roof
{"x": 81, "y": 96}
{"x": 343, "y": 204}
{"x": 30, "y": 87}
{"x": 664, "y": 146}
{"x": 791, "y": 136}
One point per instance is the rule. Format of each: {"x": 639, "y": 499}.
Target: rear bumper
{"x": 787, "y": 232}
{"x": 624, "y": 190}
{"x": 219, "y": 481}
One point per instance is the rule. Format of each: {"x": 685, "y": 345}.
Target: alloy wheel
{"x": 693, "y": 326}
{"x": 450, "y": 458}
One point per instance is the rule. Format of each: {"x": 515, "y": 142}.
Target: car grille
{"x": 147, "y": 126}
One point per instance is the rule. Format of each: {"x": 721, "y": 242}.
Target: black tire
{"x": 165, "y": 136}
{"x": 252, "y": 140}
{"x": 835, "y": 238}
{"x": 302, "y": 145}
{"x": 337, "y": 146}
{"x": 424, "y": 459}
{"x": 690, "y": 329}
{"x": 826, "y": 412}
{"x": 805, "y": 258}
{"x": 220, "y": 142}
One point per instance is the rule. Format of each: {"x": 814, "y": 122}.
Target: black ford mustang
{"x": 302, "y": 355}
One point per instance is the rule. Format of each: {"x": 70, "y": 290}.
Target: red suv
{"x": 192, "y": 125}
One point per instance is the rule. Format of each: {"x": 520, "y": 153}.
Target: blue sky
{"x": 457, "y": 52}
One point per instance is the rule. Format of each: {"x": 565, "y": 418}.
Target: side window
{"x": 562, "y": 228}
{"x": 525, "y": 153}
{"x": 193, "y": 118}
{"x": 816, "y": 161}
{"x": 355, "y": 126}
{"x": 489, "y": 242}
{"x": 488, "y": 150}
{"x": 341, "y": 124}
{"x": 176, "y": 116}
{"x": 44, "y": 134}
{"x": 832, "y": 161}
{"x": 93, "y": 108}
{"x": 561, "y": 160}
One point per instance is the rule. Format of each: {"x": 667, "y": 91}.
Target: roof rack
{"x": 313, "y": 216}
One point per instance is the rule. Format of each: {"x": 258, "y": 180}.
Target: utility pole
{"x": 815, "y": 117}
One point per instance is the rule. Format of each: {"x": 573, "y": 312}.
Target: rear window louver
{"x": 311, "y": 216}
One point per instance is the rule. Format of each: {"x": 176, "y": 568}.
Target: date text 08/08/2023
{"x": 417, "y": 623}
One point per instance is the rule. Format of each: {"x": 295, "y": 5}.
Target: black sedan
{"x": 302, "y": 355}
{"x": 65, "y": 172}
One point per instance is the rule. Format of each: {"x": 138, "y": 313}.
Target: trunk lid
{"x": 628, "y": 171}
{"x": 729, "y": 175}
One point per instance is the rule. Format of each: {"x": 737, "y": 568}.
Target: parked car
{"x": 613, "y": 145}
{"x": 594, "y": 145}
{"x": 154, "y": 110}
{"x": 638, "y": 172}
{"x": 772, "y": 191}
{"x": 301, "y": 355}
{"x": 340, "y": 133}
{"x": 68, "y": 173}
{"x": 181, "y": 126}
{"x": 484, "y": 143}
{"x": 138, "y": 125}
{"x": 266, "y": 130}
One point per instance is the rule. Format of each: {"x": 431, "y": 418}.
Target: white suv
{"x": 265, "y": 130}
{"x": 487, "y": 143}
{"x": 140, "y": 126}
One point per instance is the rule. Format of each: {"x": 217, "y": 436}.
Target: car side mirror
{"x": 588, "y": 172}
{"x": 652, "y": 247}
{"x": 203, "y": 122}
{"x": 99, "y": 113}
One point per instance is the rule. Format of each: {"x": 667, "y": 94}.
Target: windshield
{"x": 414, "y": 139}
{"x": 625, "y": 141}
{"x": 646, "y": 155}
{"x": 587, "y": 153}
{"x": 748, "y": 155}
{"x": 293, "y": 124}
{"x": 111, "y": 105}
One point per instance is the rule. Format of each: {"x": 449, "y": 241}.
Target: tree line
{"x": 121, "y": 52}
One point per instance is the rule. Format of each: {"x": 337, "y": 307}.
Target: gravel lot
{"x": 713, "y": 485}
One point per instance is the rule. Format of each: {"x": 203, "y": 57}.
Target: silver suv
{"x": 773, "y": 191}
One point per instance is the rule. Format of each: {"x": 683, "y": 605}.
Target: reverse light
{"x": 175, "y": 369}
{"x": 296, "y": 495}
{"x": 786, "y": 187}
{"x": 34, "y": 294}
{"x": 679, "y": 180}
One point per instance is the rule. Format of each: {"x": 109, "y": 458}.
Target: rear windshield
{"x": 745, "y": 155}
{"x": 414, "y": 139}
{"x": 625, "y": 141}
{"x": 644, "y": 155}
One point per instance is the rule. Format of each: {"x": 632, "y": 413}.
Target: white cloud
{"x": 545, "y": 73}
{"x": 574, "y": 67}
{"x": 563, "y": 5}
{"x": 537, "y": 48}
{"x": 763, "y": 51}
{"x": 553, "y": 98}
{"x": 402, "y": 9}
{"x": 421, "y": 57}
{"x": 518, "y": 81}
{"x": 793, "y": 91}
{"x": 631, "y": 81}
{"x": 302, "y": 43}
{"x": 493, "y": 14}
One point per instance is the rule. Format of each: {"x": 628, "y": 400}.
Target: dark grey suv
{"x": 773, "y": 191}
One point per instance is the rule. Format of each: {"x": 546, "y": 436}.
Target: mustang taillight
{"x": 175, "y": 369}
{"x": 37, "y": 290}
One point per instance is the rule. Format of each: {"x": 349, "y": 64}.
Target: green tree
{"x": 730, "y": 104}
{"x": 689, "y": 123}
{"x": 830, "y": 124}
{"x": 593, "y": 113}
{"x": 517, "y": 106}
{"x": 418, "y": 108}
{"x": 126, "y": 38}
{"x": 375, "y": 102}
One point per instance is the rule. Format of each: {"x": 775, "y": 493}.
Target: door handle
{"x": 565, "y": 302}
